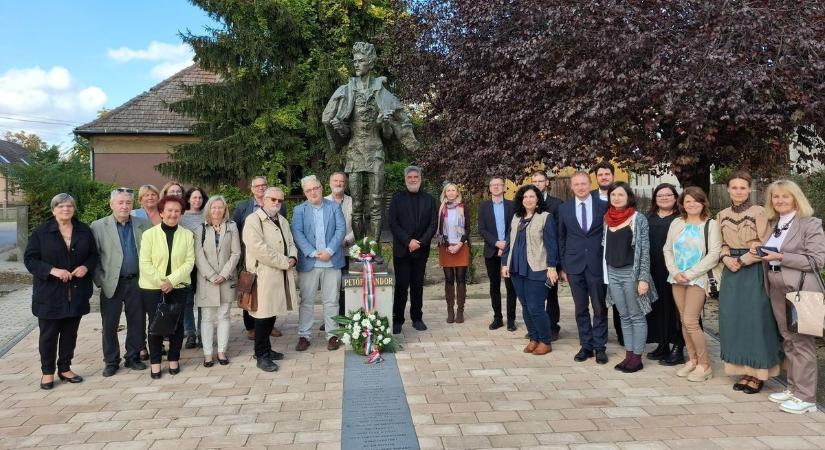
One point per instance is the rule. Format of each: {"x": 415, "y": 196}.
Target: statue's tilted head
{"x": 363, "y": 57}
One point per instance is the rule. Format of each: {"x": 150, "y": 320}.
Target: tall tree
{"x": 30, "y": 141}
{"x": 279, "y": 61}
{"x": 674, "y": 85}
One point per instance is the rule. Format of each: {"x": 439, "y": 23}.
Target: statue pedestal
{"x": 354, "y": 292}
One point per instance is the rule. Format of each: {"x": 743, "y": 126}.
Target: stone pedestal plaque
{"x": 354, "y": 292}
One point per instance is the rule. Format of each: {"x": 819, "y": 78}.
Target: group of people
{"x": 655, "y": 268}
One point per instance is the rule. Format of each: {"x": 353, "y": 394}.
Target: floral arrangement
{"x": 365, "y": 249}
{"x": 367, "y": 333}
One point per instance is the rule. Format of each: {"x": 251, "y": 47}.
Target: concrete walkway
{"x": 467, "y": 387}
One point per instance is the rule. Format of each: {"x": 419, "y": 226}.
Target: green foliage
{"x": 813, "y": 186}
{"x": 721, "y": 174}
{"x": 354, "y": 326}
{"x": 279, "y": 61}
{"x": 231, "y": 193}
{"x": 47, "y": 175}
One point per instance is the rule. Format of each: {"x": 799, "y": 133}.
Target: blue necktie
{"x": 584, "y": 218}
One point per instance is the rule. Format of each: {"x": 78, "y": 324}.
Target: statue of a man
{"x": 361, "y": 116}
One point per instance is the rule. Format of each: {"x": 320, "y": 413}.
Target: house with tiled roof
{"x": 130, "y": 140}
{"x": 10, "y": 153}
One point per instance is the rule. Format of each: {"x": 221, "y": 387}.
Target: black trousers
{"x": 151, "y": 298}
{"x": 263, "y": 327}
{"x": 409, "y": 276}
{"x": 552, "y": 308}
{"x": 248, "y": 321}
{"x": 493, "y": 266}
{"x": 58, "y": 338}
{"x": 126, "y": 296}
{"x": 341, "y": 296}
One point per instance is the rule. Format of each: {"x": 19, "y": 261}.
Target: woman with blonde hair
{"x": 453, "y": 250}
{"x": 691, "y": 250}
{"x": 148, "y": 196}
{"x": 172, "y": 188}
{"x": 792, "y": 256}
{"x": 217, "y": 252}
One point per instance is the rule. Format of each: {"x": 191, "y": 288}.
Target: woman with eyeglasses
{"x": 795, "y": 247}
{"x": 748, "y": 336}
{"x": 530, "y": 259}
{"x": 61, "y": 255}
{"x": 172, "y": 188}
{"x": 148, "y": 197}
{"x": 192, "y": 219}
{"x": 663, "y": 325}
{"x": 167, "y": 255}
{"x": 627, "y": 258}
{"x": 691, "y": 250}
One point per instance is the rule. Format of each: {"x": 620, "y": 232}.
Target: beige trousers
{"x": 689, "y": 301}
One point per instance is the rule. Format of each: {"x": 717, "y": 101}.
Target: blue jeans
{"x": 532, "y": 294}
{"x": 623, "y": 292}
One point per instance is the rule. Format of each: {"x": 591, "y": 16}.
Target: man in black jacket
{"x": 540, "y": 180}
{"x": 412, "y": 219}
{"x": 494, "y": 217}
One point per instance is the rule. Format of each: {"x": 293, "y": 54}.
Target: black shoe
{"x": 191, "y": 342}
{"x": 110, "y": 370}
{"x": 134, "y": 365}
{"x": 511, "y": 326}
{"x": 74, "y": 379}
{"x": 496, "y": 324}
{"x": 225, "y": 361}
{"x": 272, "y": 355}
{"x": 209, "y": 363}
{"x": 46, "y": 386}
{"x": 419, "y": 325}
{"x": 267, "y": 365}
{"x": 748, "y": 389}
{"x": 583, "y": 355}
{"x": 323, "y": 327}
{"x": 554, "y": 336}
{"x": 174, "y": 371}
{"x": 396, "y": 328}
{"x": 155, "y": 375}
{"x": 675, "y": 358}
{"x": 601, "y": 357}
{"x": 661, "y": 351}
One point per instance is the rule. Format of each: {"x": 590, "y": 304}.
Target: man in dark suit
{"x": 242, "y": 211}
{"x": 494, "y": 217}
{"x": 412, "y": 219}
{"x": 580, "y": 241}
{"x": 551, "y": 204}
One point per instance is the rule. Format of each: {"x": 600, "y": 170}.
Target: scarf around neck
{"x": 616, "y": 217}
{"x": 458, "y": 227}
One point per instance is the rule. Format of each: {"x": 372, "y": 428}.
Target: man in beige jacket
{"x": 271, "y": 253}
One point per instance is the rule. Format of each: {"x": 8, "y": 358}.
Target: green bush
{"x": 813, "y": 186}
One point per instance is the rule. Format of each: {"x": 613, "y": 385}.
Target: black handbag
{"x": 166, "y": 317}
{"x": 713, "y": 283}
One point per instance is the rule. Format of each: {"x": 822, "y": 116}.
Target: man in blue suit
{"x": 318, "y": 227}
{"x": 580, "y": 242}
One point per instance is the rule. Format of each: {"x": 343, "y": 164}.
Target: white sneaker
{"x": 780, "y": 397}
{"x": 700, "y": 375}
{"x": 797, "y": 406}
{"x": 686, "y": 369}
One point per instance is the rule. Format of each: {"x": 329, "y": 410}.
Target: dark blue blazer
{"x": 487, "y": 225}
{"x": 580, "y": 250}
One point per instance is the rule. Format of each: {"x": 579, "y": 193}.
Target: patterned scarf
{"x": 458, "y": 228}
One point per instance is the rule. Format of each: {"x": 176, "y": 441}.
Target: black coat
{"x": 551, "y": 205}
{"x": 52, "y": 298}
{"x": 405, "y": 226}
{"x": 487, "y": 225}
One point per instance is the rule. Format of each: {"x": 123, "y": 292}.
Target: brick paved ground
{"x": 467, "y": 388}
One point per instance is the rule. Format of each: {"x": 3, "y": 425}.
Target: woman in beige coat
{"x": 217, "y": 251}
{"x": 795, "y": 246}
{"x": 271, "y": 253}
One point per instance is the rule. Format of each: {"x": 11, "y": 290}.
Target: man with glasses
{"x": 551, "y": 205}
{"x": 319, "y": 228}
{"x": 242, "y": 211}
{"x": 494, "y": 217}
{"x": 118, "y": 241}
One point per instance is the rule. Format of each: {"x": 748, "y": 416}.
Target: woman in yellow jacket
{"x": 167, "y": 255}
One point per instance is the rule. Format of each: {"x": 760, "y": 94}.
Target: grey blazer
{"x": 107, "y": 272}
{"x": 805, "y": 238}
{"x": 213, "y": 262}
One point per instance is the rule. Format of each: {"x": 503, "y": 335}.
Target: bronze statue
{"x": 361, "y": 116}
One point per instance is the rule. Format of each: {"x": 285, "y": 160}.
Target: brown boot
{"x": 531, "y": 346}
{"x": 449, "y": 294}
{"x": 542, "y": 349}
{"x": 461, "y": 296}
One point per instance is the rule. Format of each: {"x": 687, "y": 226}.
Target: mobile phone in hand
{"x": 762, "y": 248}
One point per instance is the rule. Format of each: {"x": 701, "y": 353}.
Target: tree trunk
{"x": 695, "y": 174}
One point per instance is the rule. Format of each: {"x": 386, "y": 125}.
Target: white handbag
{"x": 805, "y": 310}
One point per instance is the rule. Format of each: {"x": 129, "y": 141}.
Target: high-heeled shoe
{"x": 75, "y": 379}
{"x": 46, "y": 386}
{"x": 223, "y": 361}
{"x": 174, "y": 371}
{"x": 155, "y": 375}
{"x": 209, "y": 363}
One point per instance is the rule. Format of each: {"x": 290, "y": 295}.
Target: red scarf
{"x": 616, "y": 217}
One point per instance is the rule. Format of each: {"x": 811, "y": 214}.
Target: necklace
{"x": 778, "y": 231}
{"x": 742, "y": 207}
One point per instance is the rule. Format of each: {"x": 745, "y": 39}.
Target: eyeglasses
{"x": 313, "y": 189}
{"x": 256, "y": 186}
{"x": 664, "y": 195}
{"x": 127, "y": 190}
{"x": 275, "y": 200}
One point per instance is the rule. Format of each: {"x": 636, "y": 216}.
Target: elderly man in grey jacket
{"x": 118, "y": 242}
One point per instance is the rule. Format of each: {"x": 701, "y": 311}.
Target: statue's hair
{"x": 366, "y": 49}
